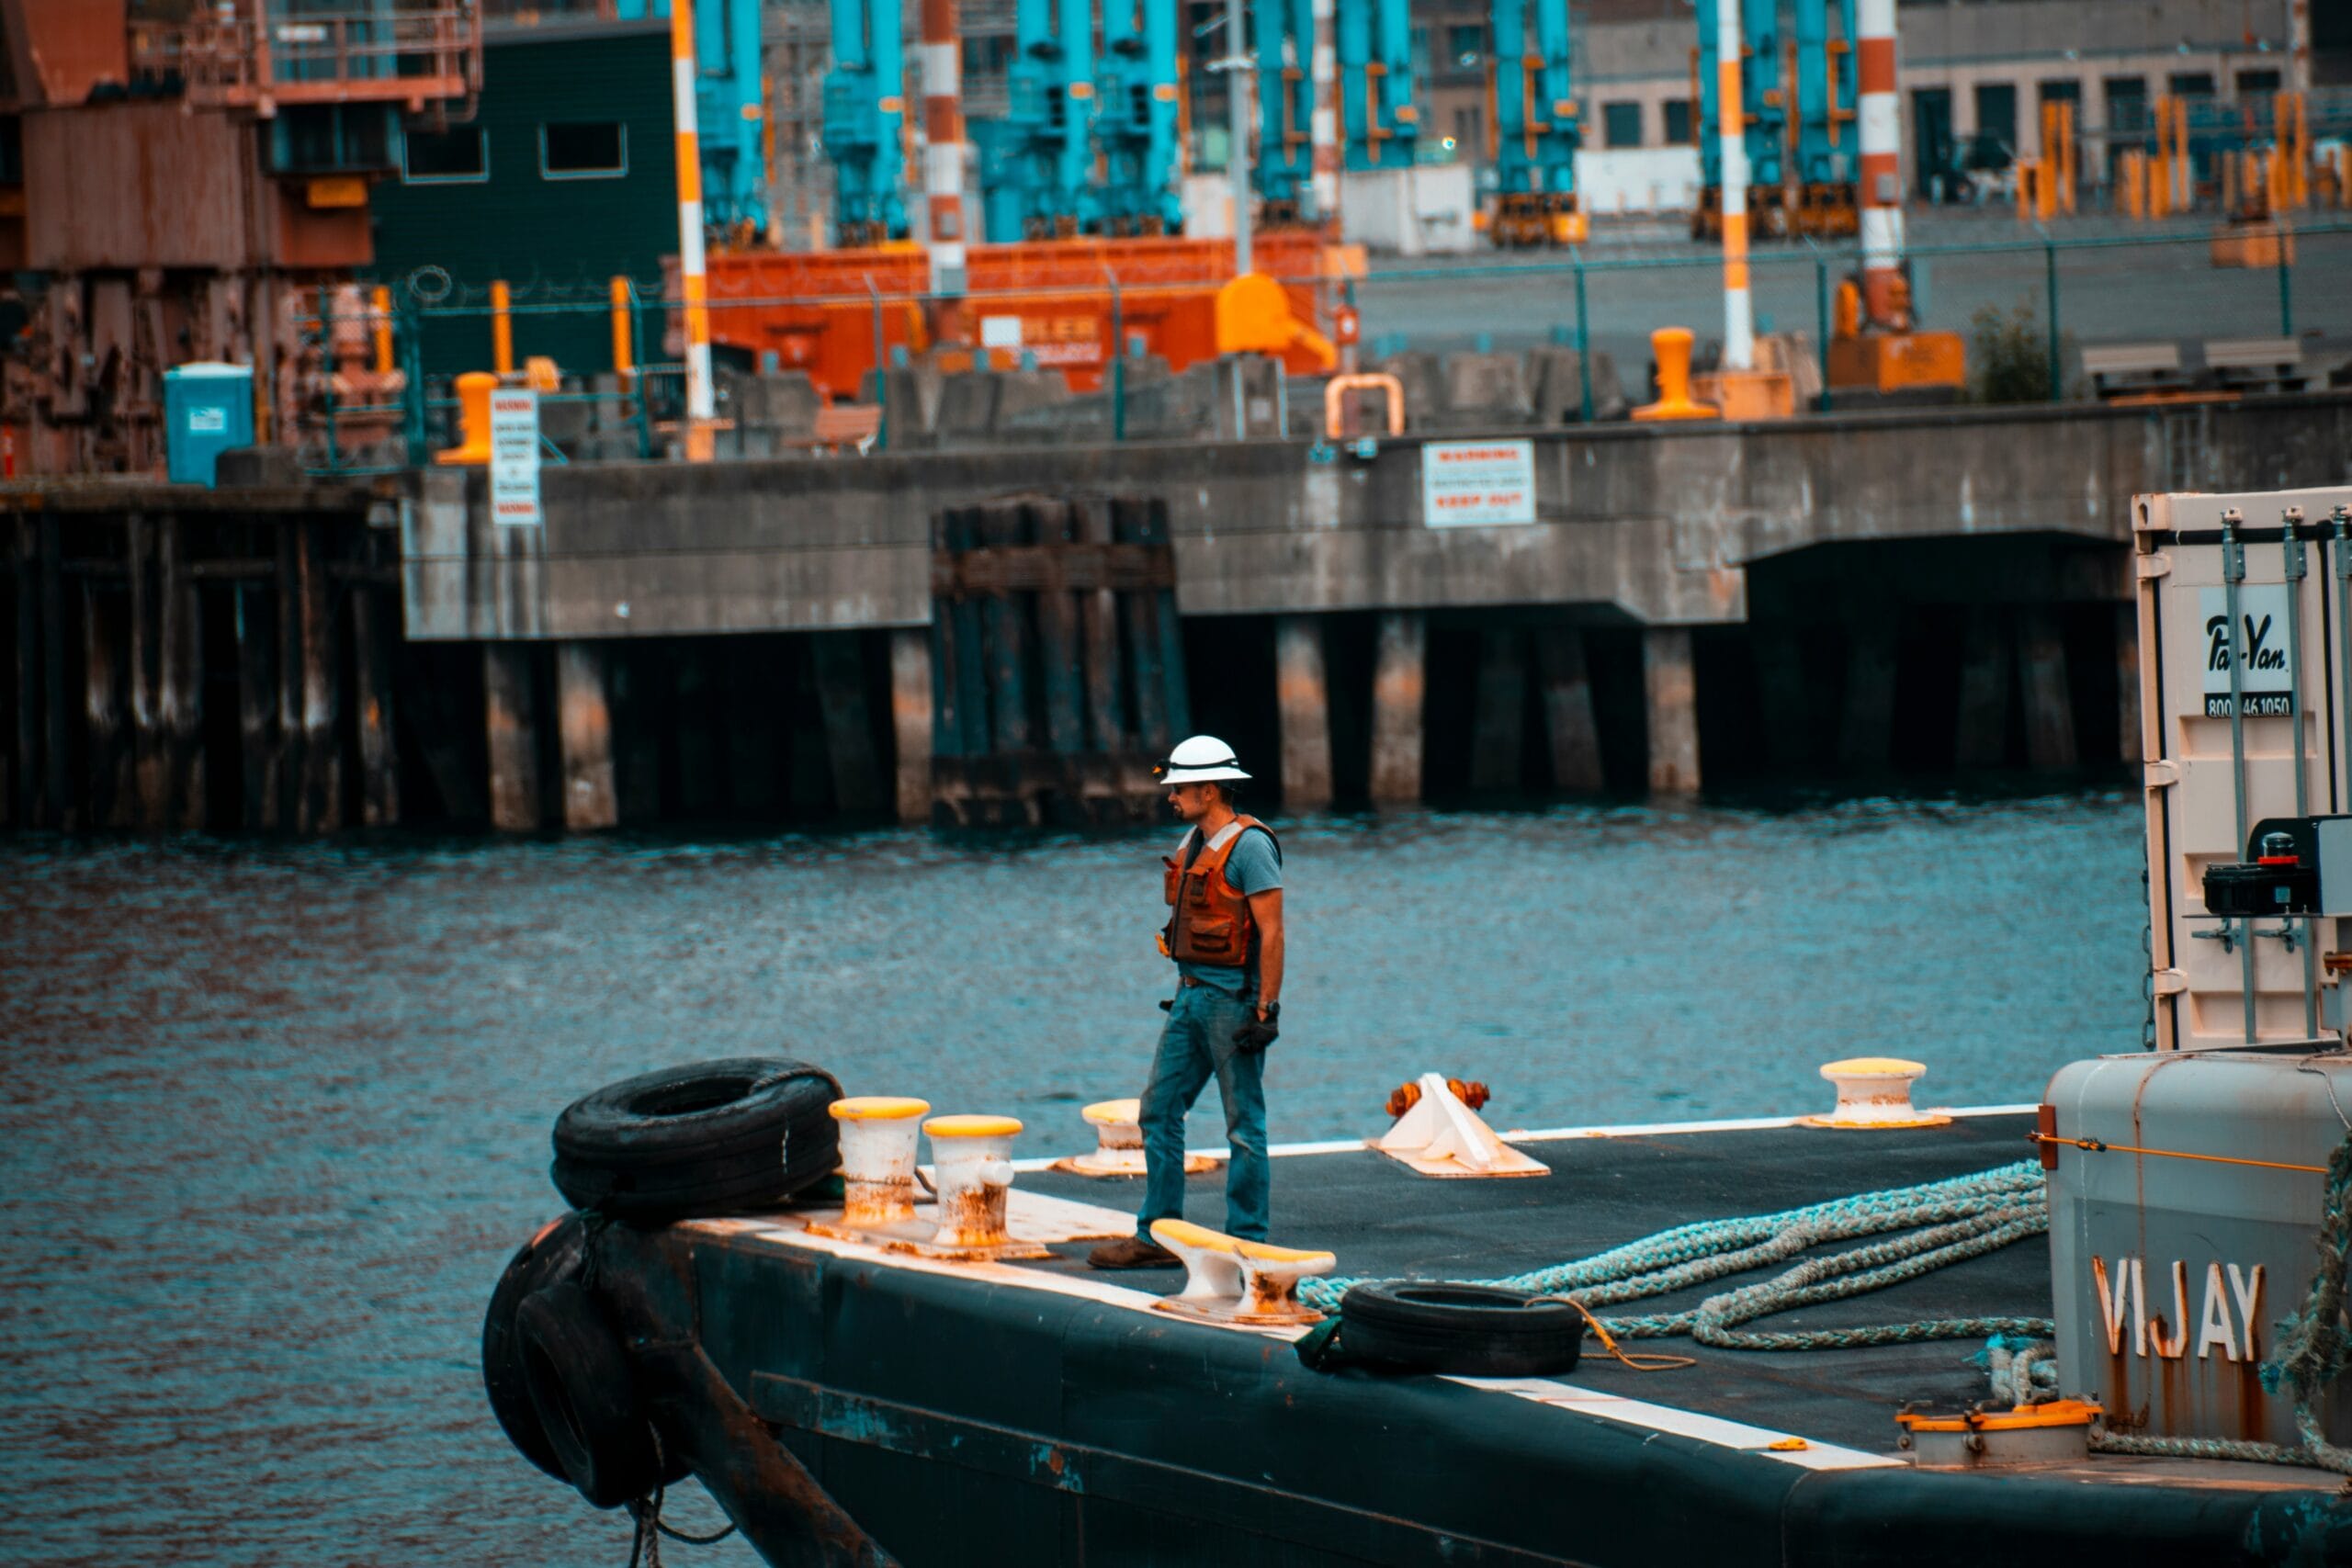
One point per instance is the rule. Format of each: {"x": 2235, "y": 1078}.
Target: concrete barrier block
{"x": 967, "y": 407}
{"x": 1553, "y": 374}
{"x": 1023, "y": 391}
{"x": 1490, "y": 387}
{"x": 1424, "y": 382}
{"x": 905, "y": 410}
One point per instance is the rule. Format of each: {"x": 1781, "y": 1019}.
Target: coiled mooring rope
{"x": 1951, "y": 1221}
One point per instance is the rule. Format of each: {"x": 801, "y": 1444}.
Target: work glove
{"x": 1259, "y": 1032}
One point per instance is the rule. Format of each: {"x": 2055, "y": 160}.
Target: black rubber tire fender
{"x": 1467, "y": 1330}
{"x": 556, "y": 1253}
{"x": 586, "y": 1396}
{"x": 679, "y": 1192}
{"x": 701, "y": 1110}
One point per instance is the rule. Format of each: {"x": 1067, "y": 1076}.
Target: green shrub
{"x": 2008, "y": 354}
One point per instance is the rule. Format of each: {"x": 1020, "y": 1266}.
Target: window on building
{"x": 430, "y": 155}
{"x": 1678, "y": 122}
{"x": 2127, "y": 103}
{"x": 2191, "y": 84}
{"x": 1620, "y": 125}
{"x": 1463, "y": 45}
{"x": 1470, "y": 131}
{"x": 2257, "y": 84}
{"x": 583, "y": 150}
{"x": 1996, "y": 125}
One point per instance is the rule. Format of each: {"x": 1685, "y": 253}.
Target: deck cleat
{"x": 1875, "y": 1093}
{"x": 1440, "y": 1135}
{"x": 1118, "y": 1151}
{"x": 878, "y": 1135}
{"x": 1247, "y": 1283}
{"x": 2057, "y": 1432}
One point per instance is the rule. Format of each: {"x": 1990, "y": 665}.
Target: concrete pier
{"x": 993, "y": 636}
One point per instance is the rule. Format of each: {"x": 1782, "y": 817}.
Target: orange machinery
{"x": 827, "y": 312}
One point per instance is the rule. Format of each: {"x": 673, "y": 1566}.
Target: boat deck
{"x": 1382, "y": 1221}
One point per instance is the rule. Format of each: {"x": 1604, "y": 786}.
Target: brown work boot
{"x": 1131, "y": 1252}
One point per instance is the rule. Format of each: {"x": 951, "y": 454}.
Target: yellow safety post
{"x": 502, "y": 330}
{"x": 473, "y": 419}
{"x": 2131, "y": 180}
{"x": 624, "y": 348}
{"x": 2023, "y": 171}
{"x": 2067, "y": 170}
{"x": 380, "y": 303}
{"x": 1671, "y": 348}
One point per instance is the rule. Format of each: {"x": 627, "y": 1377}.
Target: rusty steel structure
{"x": 184, "y": 182}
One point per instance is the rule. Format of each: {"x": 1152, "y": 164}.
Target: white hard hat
{"x": 1200, "y": 759}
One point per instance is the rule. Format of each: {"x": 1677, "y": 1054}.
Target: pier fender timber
{"x": 1440, "y": 1135}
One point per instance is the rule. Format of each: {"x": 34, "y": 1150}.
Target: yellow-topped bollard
{"x": 877, "y": 1143}
{"x": 473, "y": 419}
{"x": 1671, "y": 347}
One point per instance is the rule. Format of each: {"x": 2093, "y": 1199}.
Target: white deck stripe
{"x": 1549, "y": 1135}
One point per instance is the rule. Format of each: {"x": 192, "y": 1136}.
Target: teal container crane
{"x": 1283, "y": 39}
{"x": 729, "y": 111}
{"x": 1829, "y": 141}
{"x": 1797, "y": 92}
{"x": 1134, "y": 118}
{"x": 1379, "y": 124}
{"x": 1537, "y": 128}
{"x": 864, "y": 123}
{"x": 1050, "y": 118}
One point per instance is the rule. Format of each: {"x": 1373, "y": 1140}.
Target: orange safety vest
{"x": 1209, "y": 921}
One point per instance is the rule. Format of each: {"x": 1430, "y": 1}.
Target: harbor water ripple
{"x": 275, "y": 1114}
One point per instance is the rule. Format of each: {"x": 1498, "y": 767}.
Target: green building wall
{"x": 550, "y": 240}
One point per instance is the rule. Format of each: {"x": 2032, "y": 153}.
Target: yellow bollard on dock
{"x": 1671, "y": 347}
{"x": 473, "y": 419}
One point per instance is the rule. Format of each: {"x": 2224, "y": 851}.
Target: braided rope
{"x": 1953, "y": 1220}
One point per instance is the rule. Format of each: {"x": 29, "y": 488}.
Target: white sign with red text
{"x": 515, "y": 457}
{"x": 1478, "y": 483}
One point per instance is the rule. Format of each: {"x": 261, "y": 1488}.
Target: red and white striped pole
{"x": 694, "y": 286}
{"x": 942, "y": 153}
{"x": 1885, "y": 301}
{"x": 1731, "y": 128}
{"x": 1323, "y": 119}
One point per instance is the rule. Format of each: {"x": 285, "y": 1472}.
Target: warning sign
{"x": 515, "y": 457}
{"x": 1478, "y": 483}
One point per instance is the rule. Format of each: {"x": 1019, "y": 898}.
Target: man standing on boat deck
{"x": 1224, "y": 887}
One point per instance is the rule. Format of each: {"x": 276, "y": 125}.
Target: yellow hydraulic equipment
{"x": 1890, "y": 355}
{"x": 1253, "y": 316}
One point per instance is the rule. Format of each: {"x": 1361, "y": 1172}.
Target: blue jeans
{"x": 1196, "y": 1044}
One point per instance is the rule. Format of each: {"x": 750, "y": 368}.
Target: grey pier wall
{"x": 1942, "y": 589}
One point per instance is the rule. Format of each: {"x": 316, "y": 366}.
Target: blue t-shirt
{"x": 1253, "y": 867}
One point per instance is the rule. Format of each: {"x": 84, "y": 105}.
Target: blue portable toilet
{"x": 207, "y": 410}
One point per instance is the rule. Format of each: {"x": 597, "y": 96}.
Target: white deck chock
{"x": 1441, "y": 1136}
{"x": 1248, "y": 1284}
{"x": 1118, "y": 1151}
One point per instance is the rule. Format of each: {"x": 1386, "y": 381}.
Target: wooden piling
{"x": 947, "y": 703}
{"x": 1568, "y": 719}
{"x": 584, "y": 726}
{"x": 1146, "y": 647}
{"x": 1982, "y": 738}
{"x": 257, "y": 706}
{"x": 180, "y": 697}
{"x": 374, "y": 623}
{"x": 510, "y": 726}
{"x": 59, "y": 809}
{"x": 112, "y": 780}
{"x": 1670, "y": 689}
{"x": 1303, "y": 699}
{"x": 1400, "y": 688}
{"x": 285, "y": 757}
{"x": 1866, "y": 731}
{"x": 1176, "y": 682}
{"x": 634, "y": 673}
{"x": 810, "y": 792}
{"x": 1497, "y": 733}
{"x": 1059, "y": 666}
{"x": 839, "y": 660}
{"x": 322, "y": 786}
{"x": 1006, "y": 626}
{"x": 2049, "y": 701}
{"x": 911, "y": 721}
{"x": 25, "y": 777}
{"x": 970, "y": 665}
{"x": 150, "y": 767}
{"x": 1098, "y": 622}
